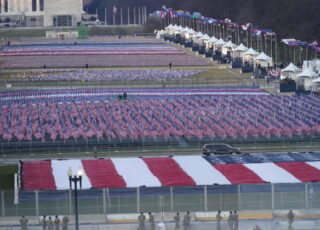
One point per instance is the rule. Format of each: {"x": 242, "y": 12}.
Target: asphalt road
{"x": 163, "y": 150}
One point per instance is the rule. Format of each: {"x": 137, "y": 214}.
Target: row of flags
{"x": 255, "y": 30}
{"x": 297, "y": 43}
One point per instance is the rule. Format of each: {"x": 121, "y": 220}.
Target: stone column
{"x": 15, "y": 6}
{"x": 2, "y": 6}
{"x": 9, "y": 3}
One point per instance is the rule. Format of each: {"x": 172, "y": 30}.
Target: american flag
{"x": 114, "y": 9}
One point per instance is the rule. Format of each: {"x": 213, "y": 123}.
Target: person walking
{"x": 219, "y": 218}
{"x": 24, "y": 223}
{"x": 176, "y": 219}
{"x": 57, "y": 223}
{"x": 230, "y": 220}
{"x": 65, "y": 222}
{"x": 187, "y": 221}
{"x": 235, "y": 220}
{"x": 43, "y": 223}
{"x": 141, "y": 220}
{"x": 257, "y": 227}
{"x": 50, "y": 223}
{"x": 290, "y": 216}
{"x": 151, "y": 221}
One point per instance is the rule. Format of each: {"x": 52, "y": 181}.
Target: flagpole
{"x": 105, "y": 16}
{"x": 275, "y": 48}
{"x": 271, "y": 45}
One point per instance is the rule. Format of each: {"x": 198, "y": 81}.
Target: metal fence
{"x": 164, "y": 199}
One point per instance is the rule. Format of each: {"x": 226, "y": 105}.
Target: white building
{"x": 38, "y": 13}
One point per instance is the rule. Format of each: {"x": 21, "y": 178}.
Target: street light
{"x": 75, "y": 179}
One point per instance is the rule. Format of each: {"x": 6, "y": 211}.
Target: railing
{"x": 164, "y": 199}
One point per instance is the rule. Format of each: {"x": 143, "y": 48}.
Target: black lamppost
{"x": 75, "y": 179}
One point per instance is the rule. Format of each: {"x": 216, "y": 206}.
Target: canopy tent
{"x": 203, "y": 39}
{"x": 228, "y": 47}
{"x": 189, "y": 34}
{"x": 159, "y": 34}
{"x": 306, "y": 78}
{"x": 249, "y": 55}
{"x": 219, "y": 43}
{"x": 290, "y": 72}
{"x": 239, "y": 50}
{"x": 209, "y": 43}
{"x": 317, "y": 80}
{"x": 263, "y": 60}
{"x": 307, "y": 73}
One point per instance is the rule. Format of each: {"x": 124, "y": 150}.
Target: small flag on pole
{"x": 114, "y": 9}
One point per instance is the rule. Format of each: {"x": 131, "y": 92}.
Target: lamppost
{"x": 75, "y": 179}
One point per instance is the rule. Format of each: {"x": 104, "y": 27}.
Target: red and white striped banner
{"x": 161, "y": 171}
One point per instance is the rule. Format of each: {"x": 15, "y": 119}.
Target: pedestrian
{"x": 230, "y": 220}
{"x": 24, "y": 223}
{"x": 176, "y": 219}
{"x": 257, "y": 227}
{"x": 187, "y": 221}
{"x": 219, "y": 218}
{"x": 151, "y": 221}
{"x": 290, "y": 219}
{"x": 141, "y": 220}
{"x": 50, "y": 223}
{"x": 170, "y": 65}
{"x": 57, "y": 223}
{"x": 44, "y": 223}
{"x": 65, "y": 222}
{"x": 235, "y": 220}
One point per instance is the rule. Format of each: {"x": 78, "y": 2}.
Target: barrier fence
{"x": 164, "y": 199}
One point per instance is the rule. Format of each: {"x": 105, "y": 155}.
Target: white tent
{"x": 290, "y": 72}
{"x": 307, "y": 73}
{"x": 239, "y": 50}
{"x": 263, "y": 60}
{"x": 249, "y": 55}
{"x": 317, "y": 80}
{"x": 210, "y": 42}
{"x": 159, "y": 34}
{"x": 220, "y": 42}
{"x": 291, "y": 68}
{"x": 198, "y": 35}
{"x": 189, "y": 34}
{"x": 306, "y": 78}
{"x": 203, "y": 39}
{"x": 228, "y": 47}
{"x": 229, "y": 44}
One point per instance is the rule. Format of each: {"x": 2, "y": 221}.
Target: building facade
{"x": 39, "y": 13}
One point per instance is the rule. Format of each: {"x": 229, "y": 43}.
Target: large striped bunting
{"x": 135, "y": 172}
{"x": 162, "y": 171}
{"x": 60, "y": 169}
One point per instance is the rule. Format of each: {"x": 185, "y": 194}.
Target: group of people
{"x": 47, "y": 224}
{"x": 233, "y": 221}
{"x": 176, "y": 218}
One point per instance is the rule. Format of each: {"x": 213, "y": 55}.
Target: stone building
{"x": 39, "y": 13}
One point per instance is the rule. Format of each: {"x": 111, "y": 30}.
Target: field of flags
{"x": 149, "y": 114}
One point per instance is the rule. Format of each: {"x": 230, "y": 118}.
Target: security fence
{"x": 164, "y": 199}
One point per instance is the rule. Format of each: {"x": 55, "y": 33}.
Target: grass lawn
{"x": 7, "y": 176}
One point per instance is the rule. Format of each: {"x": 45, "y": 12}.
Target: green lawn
{"x": 7, "y": 176}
